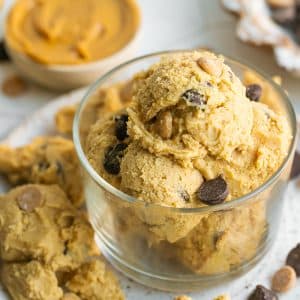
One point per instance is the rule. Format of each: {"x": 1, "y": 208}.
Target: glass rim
{"x": 130, "y": 199}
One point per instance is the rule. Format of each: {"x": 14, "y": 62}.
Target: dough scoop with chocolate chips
{"x": 46, "y": 160}
{"x": 193, "y": 136}
{"x": 47, "y": 248}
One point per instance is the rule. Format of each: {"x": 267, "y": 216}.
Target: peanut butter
{"x": 71, "y": 32}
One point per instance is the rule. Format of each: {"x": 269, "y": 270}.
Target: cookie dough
{"x": 93, "y": 281}
{"x": 30, "y": 281}
{"x": 47, "y": 160}
{"x": 191, "y": 122}
{"x": 146, "y": 176}
{"x": 38, "y": 222}
{"x": 102, "y": 104}
{"x": 222, "y": 240}
{"x": 70, "y": 296}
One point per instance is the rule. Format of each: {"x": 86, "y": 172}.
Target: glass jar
{"x": 183, "y": 248}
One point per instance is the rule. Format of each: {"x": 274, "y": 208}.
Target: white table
{"x": 174, "y": 24}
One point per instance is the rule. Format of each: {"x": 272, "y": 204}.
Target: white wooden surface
{"x": 170, "y": 24}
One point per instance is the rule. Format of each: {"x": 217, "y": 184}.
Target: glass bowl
{"x": 179, "y": 249}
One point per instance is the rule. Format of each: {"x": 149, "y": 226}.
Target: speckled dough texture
{"x": 46, "y": 160}
{"x": 190, "y": 121}
{"x": 48, "y": 248}
{"x": 53, "y": 232}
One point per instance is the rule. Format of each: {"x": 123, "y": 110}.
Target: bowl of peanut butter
{"x": 65, "y": 44}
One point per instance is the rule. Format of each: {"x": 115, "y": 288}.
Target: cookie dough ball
{"x": 47, "y": 160}
{"x": 158, "y": 179}
{"x": 205, "y": 100}
{"x": 251, "y": 167}
{"x": 93, "y": 281}
{"x": 39, "y": 222}
{"x": 223, "y": 240}
{"x": 147, "y": 177}
{"x": 30, "y": 281}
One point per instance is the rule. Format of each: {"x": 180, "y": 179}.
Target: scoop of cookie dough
{"x": 47, "y": 160}
{"x": 191, "y": 122}
{"x": 39, "y": 222}
{"x": 93, "y": 281}
{"x": 222, "y": 240}
{"x": 147, "y": 177}
{"x": 30, "y": 281}
{"x": 205, "y": 101}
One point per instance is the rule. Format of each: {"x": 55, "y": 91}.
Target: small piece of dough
{"x": 93, "y": 281}
{"x": 53, "y": 232}
{"x": 64, "y": 119}
{"x": 47, "y": 160}
{"x": 100, "y": 105}
{"x": 30, "y": 281}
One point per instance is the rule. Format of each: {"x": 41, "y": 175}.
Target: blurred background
{"x": 167, "y": 24}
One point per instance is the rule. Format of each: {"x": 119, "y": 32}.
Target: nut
{"x": 284, "y": 279}
{"x": 164, "y": 124}
{"x": 30, "y": 199}
{"x": 14, "y": 86}
{"x": 211, "y": 66}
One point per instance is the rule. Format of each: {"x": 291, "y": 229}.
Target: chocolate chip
{"x": 214, "y": 191}
{"x": 295, "y": 166}
{"x": 293, "y": 259}
{"x": 59, "y": 168}
{"x": 65, "y": 251}
{"x": 43, "y": 165}
{"x": 112, "y": 158}
{"x": 184, "y": 195}
{"x": 253, "y": 91}
{"x": 30, "y": 199}
{"x": 193, "y": 97}
{"x": 217, "y": 235}
{"x": 262, "y": 293}
{"x": 121, "y": 127}
{"x": 3, "y": 54}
